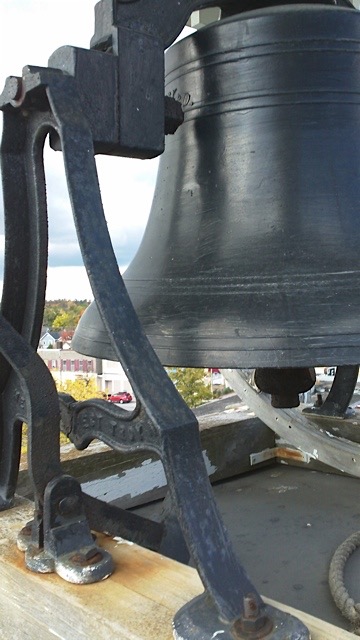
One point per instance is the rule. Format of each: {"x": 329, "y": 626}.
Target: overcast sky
{"x": 30, "y": 30}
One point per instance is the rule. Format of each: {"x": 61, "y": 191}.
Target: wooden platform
{"x": 137, "y": 602}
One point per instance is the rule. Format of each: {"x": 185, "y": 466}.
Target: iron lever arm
{"x": 136, "y": 33}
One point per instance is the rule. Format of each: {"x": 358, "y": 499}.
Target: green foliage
{"x": 63, "y": 314}
{"x": 63, "y": 321}
{"x": 218, "y": 392}
{"x": 191, "y": 385}
{"x": 80, "y": 389}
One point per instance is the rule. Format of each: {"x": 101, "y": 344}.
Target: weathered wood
{"x": 137, "y": 602}
{"x": 130, "y": 480}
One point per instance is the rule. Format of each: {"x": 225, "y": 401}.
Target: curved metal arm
{"x": 28, "y": 389}
{"x": 298, "y": 430}
{"x": 25, "y": 268}
{"x": 175, "y": 426}
{"x": 37, "y": 404}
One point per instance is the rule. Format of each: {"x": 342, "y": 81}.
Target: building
{"x": 67, "y": 364}
{"x": 48, "y": 338}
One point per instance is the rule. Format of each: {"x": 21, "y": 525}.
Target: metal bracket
{"x": 198, "y": 620}
{"x": 59, "y": 536}
{"x": 68, "y": 548}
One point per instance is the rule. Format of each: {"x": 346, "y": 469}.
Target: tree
{"x": 191, "y": 385}
{"x": 63, "y": 314}
{"x": 62, "y": 321}
{"x": 80, "y": 389}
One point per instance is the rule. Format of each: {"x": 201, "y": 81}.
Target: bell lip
{"x": 191, "y": 357}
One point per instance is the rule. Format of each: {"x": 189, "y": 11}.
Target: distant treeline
{"x": 63, "y": 314}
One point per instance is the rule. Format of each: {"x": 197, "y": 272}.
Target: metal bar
{"x": 25, "y": 269}
{"x": 336, "y": 404}
{"x": 37, "y": 404}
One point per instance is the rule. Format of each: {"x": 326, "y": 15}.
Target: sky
{"x": 30, "y": 30}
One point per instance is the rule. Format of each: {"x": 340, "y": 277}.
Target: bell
{"x": 250, "y": 258}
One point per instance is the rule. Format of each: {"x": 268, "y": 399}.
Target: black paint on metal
{"x": 336, "y": 404}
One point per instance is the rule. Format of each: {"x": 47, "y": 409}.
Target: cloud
{"x": 126, "y": 190}
{"x": 69, "y": 283}
{"x": 30, "y": 30}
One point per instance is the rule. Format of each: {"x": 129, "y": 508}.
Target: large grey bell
{"x": 251, "y": 254}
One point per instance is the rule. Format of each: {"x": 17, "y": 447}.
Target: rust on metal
{"x": 291, "y": 454}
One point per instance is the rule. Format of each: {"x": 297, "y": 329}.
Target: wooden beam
{"x": 130, "y": 480}
{"x": 137, "y": 602}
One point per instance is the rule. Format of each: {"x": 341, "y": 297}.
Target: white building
{"x": 66, "y": 364}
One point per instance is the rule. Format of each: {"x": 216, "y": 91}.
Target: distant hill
{"x": 63, "y": 314}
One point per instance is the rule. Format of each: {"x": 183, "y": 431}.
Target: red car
{"x": 121, "y": 397}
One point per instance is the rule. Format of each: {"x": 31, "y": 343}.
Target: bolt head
{"x": 69, "y": 506}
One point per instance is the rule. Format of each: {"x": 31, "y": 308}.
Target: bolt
{"x": 252, "y": 625}
{"x": 14, "y": 88}
{"x": 69, "y": 506}
{"x": 27, "y": 530}
{"x": 251, "y": 607}
{"x": 92, "y": 556}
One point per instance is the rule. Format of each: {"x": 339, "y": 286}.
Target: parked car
{"x": 121, "y": 397}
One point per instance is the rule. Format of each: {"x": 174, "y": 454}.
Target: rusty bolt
{"x": 251, "y": 607}
{"x": 84, "y": 559}
{"x": 252, "y": 625}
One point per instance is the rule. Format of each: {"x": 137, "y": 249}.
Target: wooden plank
{"x": 137, "y": 602}
{"x": 130, "y": 480}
